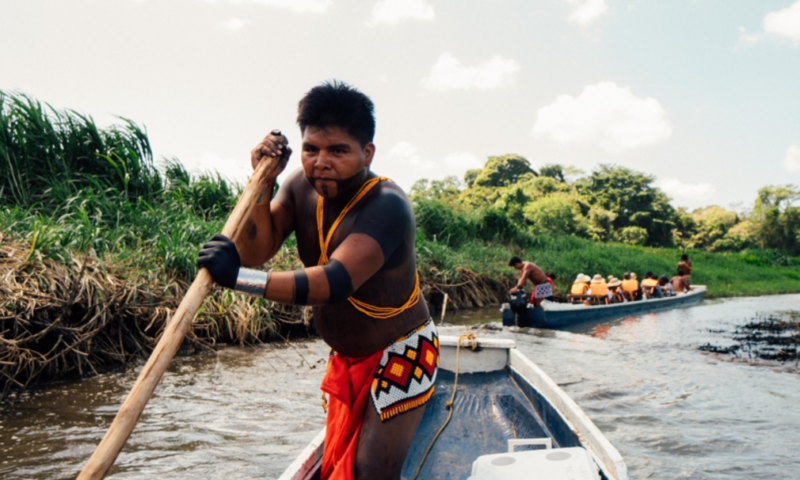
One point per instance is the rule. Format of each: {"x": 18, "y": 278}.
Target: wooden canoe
{"x": 502, "y": 395}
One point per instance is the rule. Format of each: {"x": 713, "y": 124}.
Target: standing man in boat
{"x": 530, "y": 271}
{"x": 685, "y": 266}
{"x": 355, "y": 235}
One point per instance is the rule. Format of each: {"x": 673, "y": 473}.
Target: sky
{"x": 701, "y": 94}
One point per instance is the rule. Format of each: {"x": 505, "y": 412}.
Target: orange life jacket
{"x": 649, "y": 284}
{"x": 599, "y": 289}
{"x": 579, "y": 288}
{"x": 630, "y": 286}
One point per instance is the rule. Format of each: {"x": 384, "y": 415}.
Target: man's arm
{"x": 270, "y": 222}
{"x": 378, "y": 232}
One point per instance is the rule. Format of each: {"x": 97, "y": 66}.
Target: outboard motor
{"x": 519, "y": 306}
{"x": 508, "y": 315}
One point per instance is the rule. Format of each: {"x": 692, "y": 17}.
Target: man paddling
{"x": 530, "y": 271}
{"x": 355, "y": 235}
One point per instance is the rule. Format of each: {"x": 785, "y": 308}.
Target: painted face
{"x": 333, "y": 161}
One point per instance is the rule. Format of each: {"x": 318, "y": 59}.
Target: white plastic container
{"x": 560, "y": 464}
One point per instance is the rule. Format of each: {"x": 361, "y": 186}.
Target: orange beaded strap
{"x": 324, "y": 240}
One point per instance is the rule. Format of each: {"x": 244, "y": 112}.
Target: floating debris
{"x": 773, "y": 336}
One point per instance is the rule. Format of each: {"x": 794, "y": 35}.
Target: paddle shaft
{"x": 106, "y": 452}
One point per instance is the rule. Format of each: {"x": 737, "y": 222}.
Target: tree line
{"x": 507, "y": 199}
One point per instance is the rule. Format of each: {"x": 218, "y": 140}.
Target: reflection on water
{"x": 673, "y": 411}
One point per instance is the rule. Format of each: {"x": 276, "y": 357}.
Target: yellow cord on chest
{"x": 325, "y": 240}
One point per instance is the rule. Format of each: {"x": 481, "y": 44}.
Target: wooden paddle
{"x": 106, "y": 452}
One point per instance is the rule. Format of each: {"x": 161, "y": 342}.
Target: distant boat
{"x": 560, "y": 315}
{"x": 504, "y": 400}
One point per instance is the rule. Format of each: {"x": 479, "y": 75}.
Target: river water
{"x": 673, "y": 411}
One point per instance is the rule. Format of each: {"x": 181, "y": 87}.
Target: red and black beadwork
{"x": 406, "y": 373}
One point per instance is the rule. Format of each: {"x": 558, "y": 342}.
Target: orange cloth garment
{"x": 347, "y": 382}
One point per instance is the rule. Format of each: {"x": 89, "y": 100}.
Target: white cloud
{"x": 449, "y": 74}
{"x": 792, "y": 161}
{"x": 784, "y": 23}
{"x": 780, "y": 24}
{"x": 697, "y": 192}
{"x": 586, "y": 11}
{"x": 390, "y": 12}
{"x": 297, "y": 6}
{"x": 405, "y": 165}
{"x": 604, "y": 114}
{"x": 234, "y": 24}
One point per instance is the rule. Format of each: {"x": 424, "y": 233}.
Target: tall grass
{"x": 47, "y": 155}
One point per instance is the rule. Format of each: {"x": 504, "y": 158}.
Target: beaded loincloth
{"x": 406, "y": 373}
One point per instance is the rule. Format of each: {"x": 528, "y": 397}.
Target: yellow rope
{"x": 380, "y": 313}
{"x": 473, "y": 343}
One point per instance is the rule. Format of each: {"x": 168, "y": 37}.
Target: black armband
{"x": 339, "y": 282}
{"x": 300, "y": 287}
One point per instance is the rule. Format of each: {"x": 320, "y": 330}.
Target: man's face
{"x": 518, "y": 266}
{"x": 331, "y": 156}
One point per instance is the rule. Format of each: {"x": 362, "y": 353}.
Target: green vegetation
{"x": 610, "y": 221}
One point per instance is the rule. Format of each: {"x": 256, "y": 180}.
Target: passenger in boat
{"x": 355, "y": 235}
{"x": 598, "y": 288}
{"x": 630, "y": 287}
{"x": 615, "y": 294}
{"x": 580, "y": 286}
{"x": 650, "y": 287}
{"x": 679, "y": 283}
{"x": 530, "y": 271}
{"x": 666, "y": 286}
{"x": 685, "y": 266}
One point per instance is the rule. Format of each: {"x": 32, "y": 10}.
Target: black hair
{"x": 627, "y": 275}
{"x": 514, "y": 261}
{"x": 551, "y": 276}
{"x": 663, "y": 280}
{"x": 684, "y": 257}
{"x": 649, "y": 274}
{"x": 337, "y": 104}
{"x": 680, "y": 272}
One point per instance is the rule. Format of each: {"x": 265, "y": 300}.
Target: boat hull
{"x": 502, "y": 395}
{"x": 565, "y": 315}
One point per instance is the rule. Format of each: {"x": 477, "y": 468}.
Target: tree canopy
{"x": 611, "y": 203}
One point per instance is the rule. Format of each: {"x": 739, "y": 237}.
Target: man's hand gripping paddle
{"x": 119, "y": 431}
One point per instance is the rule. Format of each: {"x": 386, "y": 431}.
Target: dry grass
{"x": 65, "y": 320}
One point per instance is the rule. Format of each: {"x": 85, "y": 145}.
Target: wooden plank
{"x": 491, "y": 355}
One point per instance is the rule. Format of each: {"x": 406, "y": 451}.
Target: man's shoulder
{"x": 390, "y": 197}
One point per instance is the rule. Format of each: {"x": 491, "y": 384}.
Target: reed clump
{"x": 68, "y": 319}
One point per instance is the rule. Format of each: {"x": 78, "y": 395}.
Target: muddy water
{"x": 673, "y": 411}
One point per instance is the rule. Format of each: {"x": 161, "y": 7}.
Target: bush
{"x": 556, "y": 214}
{"x": 633, "y": 235}
{"x": 439, "y": 223}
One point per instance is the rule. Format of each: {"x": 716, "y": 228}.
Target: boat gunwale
{"x": 605, "y": 454}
